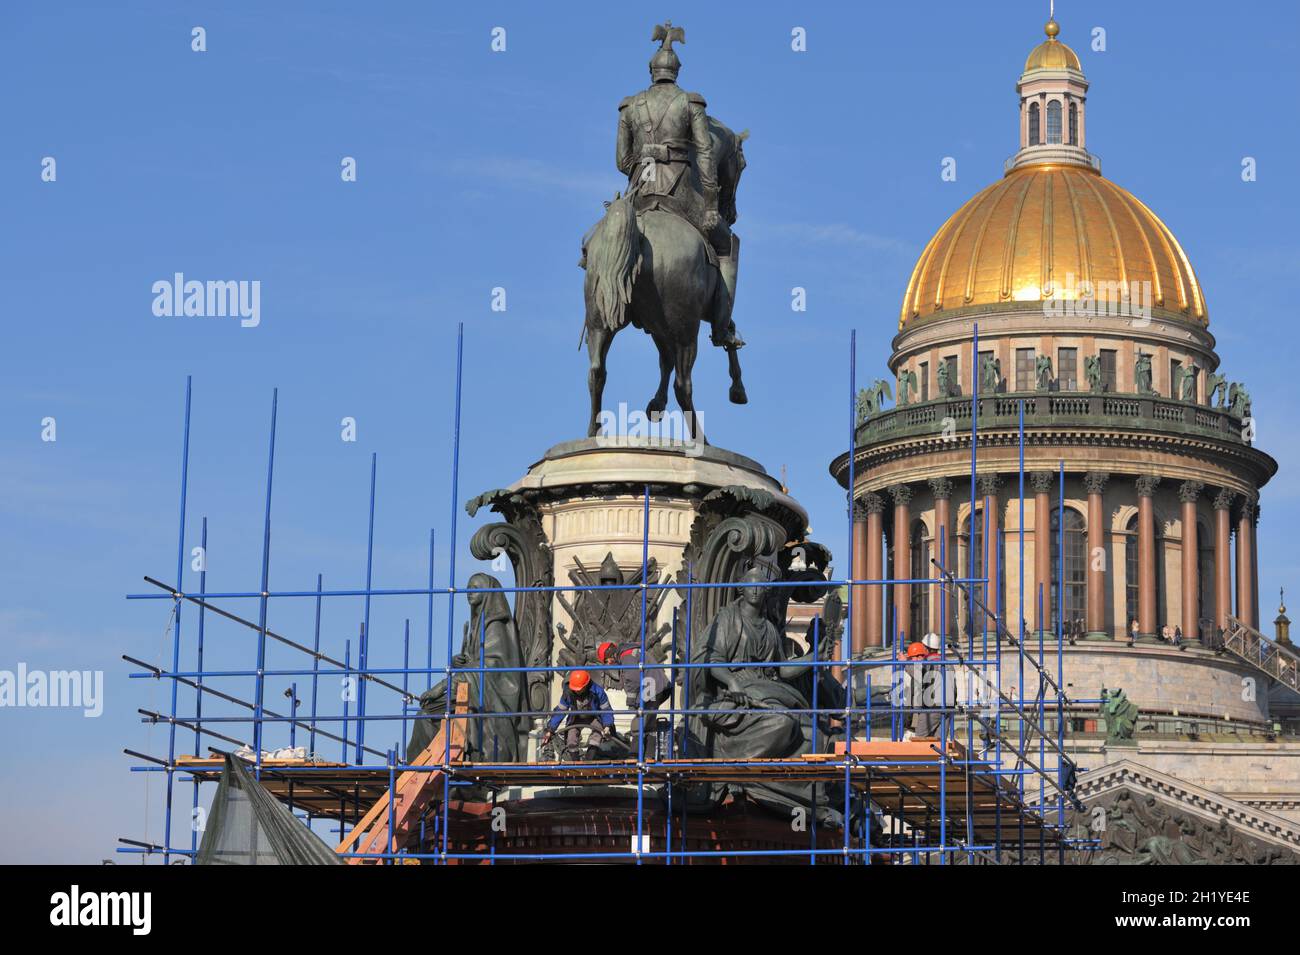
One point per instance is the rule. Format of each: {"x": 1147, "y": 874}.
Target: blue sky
{"x": 476, "y": 170}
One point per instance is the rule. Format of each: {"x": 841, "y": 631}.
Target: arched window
{"x": 1131, "y": 574}
{"x": 1033, "y": 124}
{"x": 1069, "y": 586}
{"x": 1054, "y": 122}
{"x": 920, "y": 622}
{"x": 1074, "y": 124}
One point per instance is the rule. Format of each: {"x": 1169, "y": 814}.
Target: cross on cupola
{"x": 1053, "y": 99}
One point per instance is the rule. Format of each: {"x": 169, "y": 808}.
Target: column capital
{"x": 1189, "y": 492}
{"x": 1250, "y": 506}
{"x": 1146, "y": 484}
{"x": 901, "y": 493}
{"x": 941, "y": 488}
{"x": 1042, "y": 481}
{"x": 1223, "y": 500}
{"x": 873, "y": 503}
{"x": 988, "y": 484}
{"x": 1094, "y": 482}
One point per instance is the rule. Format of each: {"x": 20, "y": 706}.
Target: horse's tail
{"x": 613, "y": 264}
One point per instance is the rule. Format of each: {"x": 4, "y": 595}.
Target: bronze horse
{"x": 656, "y": 272}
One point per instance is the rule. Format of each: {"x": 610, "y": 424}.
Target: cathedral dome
{"x": 1042, "y": 232}
{"x": 1053, "y": 228}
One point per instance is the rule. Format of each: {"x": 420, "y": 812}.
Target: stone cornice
{"x": 1250, "y": 467}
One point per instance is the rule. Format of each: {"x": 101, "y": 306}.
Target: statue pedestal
{"x": 590, "y": 496}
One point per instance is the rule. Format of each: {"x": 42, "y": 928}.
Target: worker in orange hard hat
{"x": 927, "y": 687}
{"x": 583, "y": 703}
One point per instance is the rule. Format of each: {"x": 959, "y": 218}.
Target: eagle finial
{"x": 667, "y": 35}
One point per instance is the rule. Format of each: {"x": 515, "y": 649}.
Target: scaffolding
{"x": 994, "y": 785}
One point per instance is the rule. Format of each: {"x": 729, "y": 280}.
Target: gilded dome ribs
{"x": 983, "y": 199}
{"x": 1181, "y": 263}
{"x": 1157, "y": 284}
{"x": 996, "y": 193}
{"x": 1080, "y": 230}
{"x": 1114, "y": 231}
{"x": 1009, "y": 247}
{"x": 1045, "y": 263}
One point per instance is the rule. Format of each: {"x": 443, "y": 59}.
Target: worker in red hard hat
{"x": 583, "y": 703}
{"x": 650, "y": 686}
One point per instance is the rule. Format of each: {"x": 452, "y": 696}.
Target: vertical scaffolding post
{"x": 198, "y": 683}
{"x": 263, "y": 601}
{"x": 176, "y": 629}
{"x": 315, "y": 667}
{"x": 363, "y": 647}
{"x": 451, "y": 588}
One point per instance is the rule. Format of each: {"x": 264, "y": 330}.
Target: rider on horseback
{"x": 663, "y": 133}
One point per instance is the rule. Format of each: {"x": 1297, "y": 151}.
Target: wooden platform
{"x": 910, "y": 781}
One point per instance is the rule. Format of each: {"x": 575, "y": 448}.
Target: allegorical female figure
{"x": 744, "y": 702}
{"x": 491, "y": 641}
{"x": 744, "y": 705}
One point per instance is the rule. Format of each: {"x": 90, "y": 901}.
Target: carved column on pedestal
{"x": 1147, "y": 597}
{"x": 1042, "y": 482}
{"x": 988, "y": 486}
{"x": 1094, "y": 482}
{"x": 941, "y": 610}
{"x": 875, "y": 602}
{"x": 1222, "y": 558}
{"x": 902, "y": 495}
{"x": 1189, "y": 492}
{"x": 1246, "y": 562}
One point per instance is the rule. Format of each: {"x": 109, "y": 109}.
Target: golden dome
{"x": 1052, "y": 54}
{"x": 1050, "y": 227}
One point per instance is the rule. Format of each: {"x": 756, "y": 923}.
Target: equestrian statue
{"x": 663, "y": 258}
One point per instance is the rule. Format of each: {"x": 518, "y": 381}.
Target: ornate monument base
{"x": 589, "y": 500}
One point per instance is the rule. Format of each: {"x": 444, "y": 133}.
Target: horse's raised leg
{"x": 737, "y": 392}
{"x": 683, "y": 388}
{"x": 598, "y": 341}
{"x": 655, "y": 409}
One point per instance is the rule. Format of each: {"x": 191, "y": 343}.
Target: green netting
{"x": 248, "y": 826}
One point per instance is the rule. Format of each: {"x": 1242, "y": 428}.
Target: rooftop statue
{"x": 1142, "y": 374}
{"x": 1187, "y": 384}
{"x": 1043, "y": 373}
{"x": 907, "y": 386}
{"x": 1092, "y": 372}
{"x": 871, "y": 400}
{"x": 664, "y": 257}
{"x": 945, "y": 380}
{"x": 1216, "y": 389}
{"x": 1121, "y": 716}
{"x": 1238, "y": 400}
{"x": 990, "y": 375}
